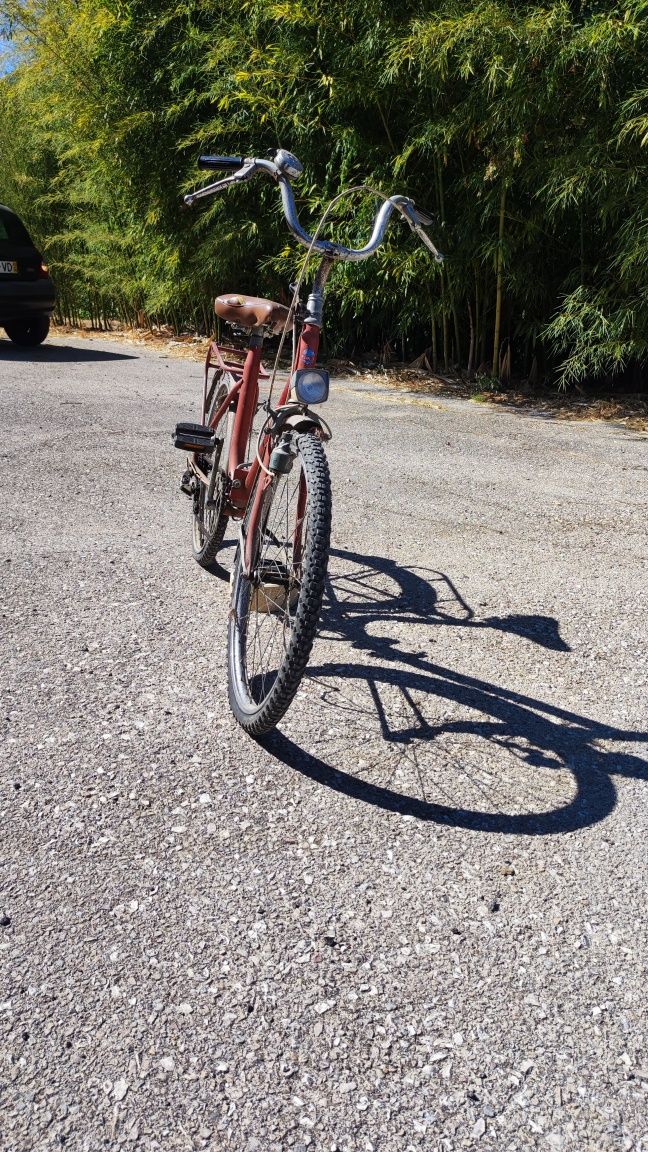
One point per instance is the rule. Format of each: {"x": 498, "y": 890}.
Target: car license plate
{"x": 9, "y": 267}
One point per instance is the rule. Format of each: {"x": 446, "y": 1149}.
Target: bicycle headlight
{"x": 311, "y": 385}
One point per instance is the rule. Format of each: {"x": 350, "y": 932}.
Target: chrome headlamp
{"x": 310, "y": 385}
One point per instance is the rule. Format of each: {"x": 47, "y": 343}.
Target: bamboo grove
{"x": 522, "y": 126}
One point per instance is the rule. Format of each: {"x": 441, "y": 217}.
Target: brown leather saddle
{"x": 251, "y": 311}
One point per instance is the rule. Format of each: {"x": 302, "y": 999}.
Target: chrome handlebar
{"x": 284, "y": 166}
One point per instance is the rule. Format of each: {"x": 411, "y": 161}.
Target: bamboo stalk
{"x": 444, "y": 311}
{"x": 386, "y": 126}
{"x": 477, "y": 312}
{"x": 444, "y": 322}
{"x": 484, "y": 314}
{"x": 455, "y": 316}
{"x": 499, "y": 281}
{"x": 471, "y": 347}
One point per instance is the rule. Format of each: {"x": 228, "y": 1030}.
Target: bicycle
{"x": 282, "y": 496}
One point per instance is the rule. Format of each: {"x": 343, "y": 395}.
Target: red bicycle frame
{"x": 245, "y": 395}
{"x": 244, "y": 475}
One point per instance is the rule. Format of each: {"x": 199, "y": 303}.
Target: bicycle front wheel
{"x": 275, "y": 610}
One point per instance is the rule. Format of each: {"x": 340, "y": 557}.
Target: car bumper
{"x": 18, "y": 301}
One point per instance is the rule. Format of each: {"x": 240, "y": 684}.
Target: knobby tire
{"x": 259, "y": 709}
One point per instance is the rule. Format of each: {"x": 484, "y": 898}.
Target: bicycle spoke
{"x": 268, "y": 619}
{"x": 273, "y": 625}
{"x": 209, "y": 523}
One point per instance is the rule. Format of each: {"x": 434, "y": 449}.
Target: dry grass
{"x": 629, "y": 410}
{"x": 184, "y": 347}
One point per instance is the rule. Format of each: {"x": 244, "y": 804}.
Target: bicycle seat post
{"x": 244, "y": 417}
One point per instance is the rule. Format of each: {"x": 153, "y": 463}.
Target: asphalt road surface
{"x": 416, "y": 918}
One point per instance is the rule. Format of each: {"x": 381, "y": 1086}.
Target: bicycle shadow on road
{"x": 472, "y": 741}
{"x": 58, "y": 354}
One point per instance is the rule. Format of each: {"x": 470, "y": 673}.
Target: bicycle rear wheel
{"x": 209, "y": 522}
{"x": 275, "y": 611}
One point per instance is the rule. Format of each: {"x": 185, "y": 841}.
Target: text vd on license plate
{"x": 9, "y": 267}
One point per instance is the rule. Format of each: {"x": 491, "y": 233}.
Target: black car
{"x": 26, "y": 291}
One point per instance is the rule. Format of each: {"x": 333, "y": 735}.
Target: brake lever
{"x": 244, "y": 173}
{"x": 438, "y": 256}
{"x": 421, "y": 216}
{"x": 415, "y": 218}
{"x": 208, "y": 190}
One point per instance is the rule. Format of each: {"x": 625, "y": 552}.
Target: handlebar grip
{"x": 221, "y": 163}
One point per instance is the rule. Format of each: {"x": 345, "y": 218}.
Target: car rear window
{"x": 13, "y": 229}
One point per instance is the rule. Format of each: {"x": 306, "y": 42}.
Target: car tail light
{"x": 43, "y": 270}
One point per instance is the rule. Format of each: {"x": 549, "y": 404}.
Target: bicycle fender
{"x": 307, "y": 422}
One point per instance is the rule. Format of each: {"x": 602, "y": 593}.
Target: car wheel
{"x": 28, "y": 333}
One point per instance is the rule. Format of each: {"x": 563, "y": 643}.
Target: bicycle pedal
{"x": 194, "y": 438}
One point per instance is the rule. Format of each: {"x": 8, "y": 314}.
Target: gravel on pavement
{"x": 413, "y": 918}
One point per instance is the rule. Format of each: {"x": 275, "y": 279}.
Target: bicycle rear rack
{"x": 230, "y": 360}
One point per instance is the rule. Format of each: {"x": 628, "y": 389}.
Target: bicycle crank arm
{"x": 213, "y": 476}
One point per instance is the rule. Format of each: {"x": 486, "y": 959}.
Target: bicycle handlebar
{"x": 283, "y": 166}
